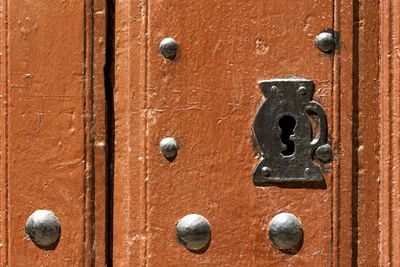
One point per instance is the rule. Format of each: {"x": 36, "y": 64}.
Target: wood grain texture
{"x": 207, "y": 99}
{"x": 49, "y": 103}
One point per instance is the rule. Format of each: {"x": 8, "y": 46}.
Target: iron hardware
{"x": 169, "y": 48}
{"x": 44, "y": 229}
{"x": 169, "y": 148}
{"x": 325, "y": 41}
{"x": 284, "y": 134}
{"x": 194, "y": 232}
{"x": 286, "y": 232}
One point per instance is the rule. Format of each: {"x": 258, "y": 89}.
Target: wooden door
{"x": 87, "y": 97}
{"x": 207, "y": 97}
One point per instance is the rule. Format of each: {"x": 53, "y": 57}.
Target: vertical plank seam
{"x": 109, "y": 82}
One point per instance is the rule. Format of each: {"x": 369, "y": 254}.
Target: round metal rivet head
{"x": 169, "y": 48}
{"x": 302, "y": 90}
{"x": 169, "y": 147}
{"x": 324, "y": 153}
{"x": 43, "y": 228}
{"x": 325, "y": 42}
{"x": 276, "y": 90}
{"x": 286, "y": 232}
{"x": 266, "y": 171}
{"x": 194, "y": 232}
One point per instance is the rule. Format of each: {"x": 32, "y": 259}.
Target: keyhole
{"x": 287, "y": 124}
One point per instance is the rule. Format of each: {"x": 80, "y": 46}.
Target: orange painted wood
{"x": 51, "y": 94}
{"x": 207, "y": 99}
{"x": 342, "y": 137}
{"x": 390, "y": 135}
{"x": 366, "y": 141}
{"x": 53, "y": 136}
{"x": 96, "y": 36}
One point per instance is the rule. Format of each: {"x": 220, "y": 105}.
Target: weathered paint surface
{"x": 53, "y": 137}
{"x": 390, "y": 138}
{"x": 47, "y": 134}
{"x": 206, "y": 98}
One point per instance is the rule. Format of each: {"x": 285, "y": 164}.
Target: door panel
{"x": 87, "y": 97}
{"x": 47, "y": 129}
{"x": 207, "y": 98}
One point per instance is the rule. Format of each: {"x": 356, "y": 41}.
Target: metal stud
{"x": 286, "y": 232}
{"x": 169, "y": 147}
{"x": 325, "y": 41}
{"x": 324, "y": 153}
{"x": 266, "y": 171}
{"x": 43, "y": 228}
{"x": 169, "y": 48}
{"x": 302, "y": 90}
{"x": 194, "y": 232}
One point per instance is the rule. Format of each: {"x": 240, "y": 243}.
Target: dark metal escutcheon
{"x": 44, "y": 229}
{"x": 285, "y": 136}
{"x": 286, "y": 232}
{"x": 194, "y": 232}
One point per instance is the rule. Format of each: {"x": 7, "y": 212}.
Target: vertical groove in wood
{"x": 97, "y": 132}
{"x": 109, "y": 136}
{"x": 390, "y": 138}
{"x": 101, "y": 132}
{"x": 94, "y": 138}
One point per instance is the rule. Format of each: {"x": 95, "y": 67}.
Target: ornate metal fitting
{"x": 44, "y": 229}
{"x": 284, "y": 133}
{"x": 286, "y": 232}
{"x": 194, "y": 232}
